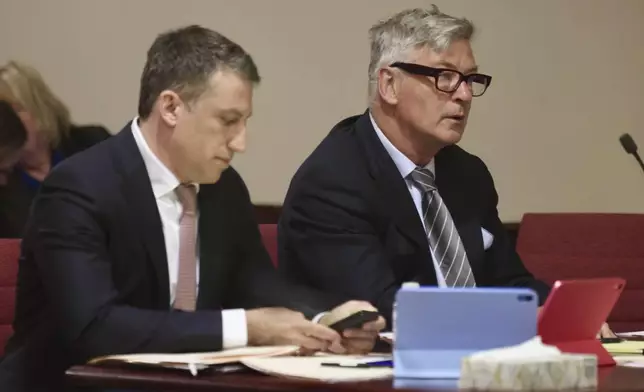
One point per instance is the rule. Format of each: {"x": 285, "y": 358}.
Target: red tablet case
{"x": 574, "y": 313}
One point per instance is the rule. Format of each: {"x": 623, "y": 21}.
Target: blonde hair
{"x": 4, "y": 97}
{"x": 25, "y": 86}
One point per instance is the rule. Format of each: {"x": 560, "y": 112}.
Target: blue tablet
{"x": 436, "y": 327}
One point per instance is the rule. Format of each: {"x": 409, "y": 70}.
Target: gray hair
{"x": 393, "y": 38}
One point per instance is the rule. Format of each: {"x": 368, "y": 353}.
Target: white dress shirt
{"x": 405, "y": 167}
{"x": 164, "y": 183}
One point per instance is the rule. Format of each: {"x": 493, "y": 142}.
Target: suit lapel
{"x": 452, "y": 182}
{"x": 212, "y": 225}
{"x": 142, "y": 208}
{"x": 391, "y": 186}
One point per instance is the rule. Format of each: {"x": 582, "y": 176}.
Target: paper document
{"x": 630, "y": 360}
{"x": 634, "y": 334}
{"x": 311, "y": 368}
{"x": 628, "y": 347}
{"x": 197, "y": 361}
{"x": 387, "y": 336}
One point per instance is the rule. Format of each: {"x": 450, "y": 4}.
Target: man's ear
{"x": 388, "y": 86}
{"x": 169, "y": 103}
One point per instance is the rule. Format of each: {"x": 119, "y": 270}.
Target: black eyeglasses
{"x": 448, "y": 80}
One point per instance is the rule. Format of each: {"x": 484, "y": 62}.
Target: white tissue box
{"x": 530, "y": 366}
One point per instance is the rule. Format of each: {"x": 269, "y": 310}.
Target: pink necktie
{"x": 186, "y": 291}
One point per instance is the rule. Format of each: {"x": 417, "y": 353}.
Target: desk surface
{"x": 610, "y": 379}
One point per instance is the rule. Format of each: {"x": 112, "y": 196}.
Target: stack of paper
{"x": 627, "y": 353}
{"x": 312, "y": 368}
{"x": 197, "y": 361}
{"x": 387, "y": 336}
{"x": 526, "y": 367}
{"x": 626, "y": 347}
{"x": 280, "y": 361}
{"x": 630, "y": 360}
{"x": 633, "y": 334}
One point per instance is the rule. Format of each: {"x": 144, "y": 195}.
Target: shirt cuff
{"x": 234, "y": 328}
{"x": 317, "y": 318}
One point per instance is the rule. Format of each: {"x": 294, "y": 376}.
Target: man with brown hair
{"x": 148, "y": 243}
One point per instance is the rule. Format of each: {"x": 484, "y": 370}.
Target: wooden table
{"x": 610, "y": 379}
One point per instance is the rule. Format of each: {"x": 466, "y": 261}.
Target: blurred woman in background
{"x": 51, "y": 137}
{"x": 12, "y": 139}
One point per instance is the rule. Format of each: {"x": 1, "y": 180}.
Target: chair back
{"x": 562, "y": 246}
{"x": 9, "y": 254}
{"x": 269, "y": 237}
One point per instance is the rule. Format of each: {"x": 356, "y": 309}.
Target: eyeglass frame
{"x": 423, "y": 70}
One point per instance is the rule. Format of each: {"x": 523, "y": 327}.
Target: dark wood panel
{"x": 270, "y": 214}
{"x": 267, "y": 213}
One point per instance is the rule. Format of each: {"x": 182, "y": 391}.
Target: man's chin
{"x": 214, "y": 180}
{"x": 210, "y": 178}
{"x": 451, "y": 136}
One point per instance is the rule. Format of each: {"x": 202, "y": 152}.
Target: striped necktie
{"x": 443, "y": 237}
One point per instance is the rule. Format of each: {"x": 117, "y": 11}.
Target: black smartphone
{"x": 356, "y": 320}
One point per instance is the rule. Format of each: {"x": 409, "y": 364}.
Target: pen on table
{"x": 387, "y": 363}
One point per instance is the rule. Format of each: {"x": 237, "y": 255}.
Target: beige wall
{"x": 567, "y": 82}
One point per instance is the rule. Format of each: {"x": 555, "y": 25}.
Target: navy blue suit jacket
{"x": 93, "y": 276}
{"x": 349, "y": 223}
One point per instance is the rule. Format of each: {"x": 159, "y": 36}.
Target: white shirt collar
{"x": 163, "y": 181}
{"x": 405, "y": 165}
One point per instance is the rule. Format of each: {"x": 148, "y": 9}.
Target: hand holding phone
{"x": 355, "y": 321}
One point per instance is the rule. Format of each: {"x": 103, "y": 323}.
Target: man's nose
{"x": 463, "y": 92}
{"x": 238, "y": 143}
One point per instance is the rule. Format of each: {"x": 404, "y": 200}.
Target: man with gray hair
{"x": 388, "y": 197}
